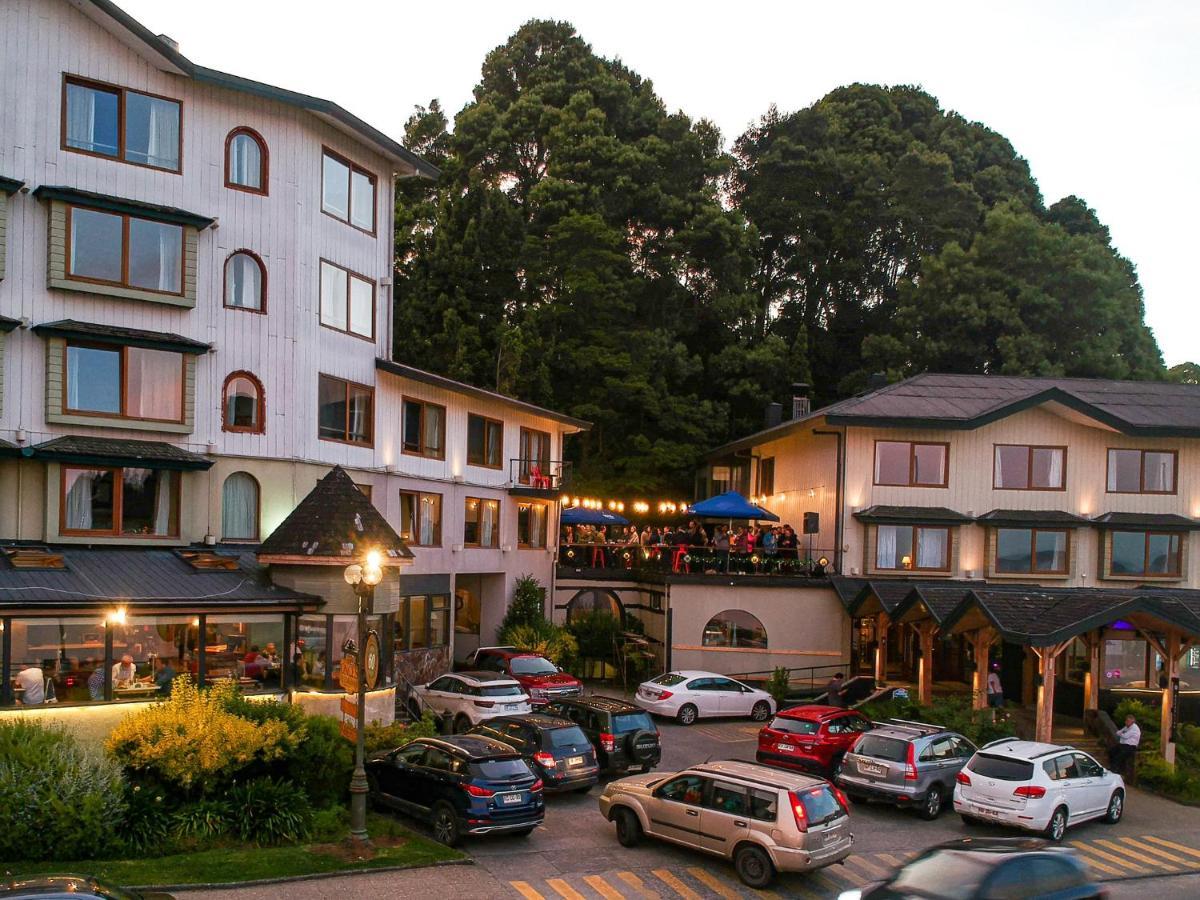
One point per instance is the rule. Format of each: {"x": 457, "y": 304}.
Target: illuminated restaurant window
{"x": 56, "y": 660}
{"x": 150, "y": 651}
{"x": 735, "y": 628}
{"x": 245, "y": 646}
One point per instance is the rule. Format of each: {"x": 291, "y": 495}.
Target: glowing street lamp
{"x": 363, "y": 578}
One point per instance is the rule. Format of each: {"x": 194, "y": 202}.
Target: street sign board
{"x": 371, "y": 660}
{"x": 349, "y": 708}
{"x": 349, "y": 731}
{"x": 348, "y": 675}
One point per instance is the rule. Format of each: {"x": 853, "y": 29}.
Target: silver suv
{"x": 906, "y": 763}
{"x": 765, "y": 820}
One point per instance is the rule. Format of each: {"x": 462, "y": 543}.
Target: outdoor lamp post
{"x": 363, "y": 578}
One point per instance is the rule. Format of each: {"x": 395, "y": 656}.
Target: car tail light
{"x": 544, "y": 759}
{"x": 476, "y": 791}
{"x": 910, "y": 767}
{"x": 537, "y": 786}
{"x": 608, "y": 742}
{"x": 963, "y": 778}
{"x": 486, "y": 704}
{"x": 798, "y": 812}
{"x": 1032, "y": 791}
{"x": 841, "y": 797}
{"x": 665, "y": 695}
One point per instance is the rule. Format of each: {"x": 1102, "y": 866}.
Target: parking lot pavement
{"x": 576, "y": 855}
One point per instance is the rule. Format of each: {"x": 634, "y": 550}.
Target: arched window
{"x": 593, "y": 600}
{"x": 242, "y": 406}
{"x": 246, "y": 161}
{"x": 239, "y": 508}
{"x": 245, "y": 282}
{"x": 735, "y": 628}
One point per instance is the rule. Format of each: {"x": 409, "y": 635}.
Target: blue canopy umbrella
{"x": 578, "y": 515}
{"x": 730, "y": 505}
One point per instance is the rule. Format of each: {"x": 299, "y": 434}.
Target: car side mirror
{"x": 558, "y": 668}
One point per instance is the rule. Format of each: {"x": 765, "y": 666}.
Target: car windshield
{"x": 1002, "y": 768}
{"x": 794, "y": 726}
{"x": 945, "y": 874}
{"x": 567, "y": 737}
{"x": 820, "y": 805}
{"x": 532, "y": 665}
{"x": 882, "y": 748}
{"x": 500, "y": 769}
{"x": 632, "y": 721}
{"x": 669, "y": 680}
{"x": 500, "y": 690}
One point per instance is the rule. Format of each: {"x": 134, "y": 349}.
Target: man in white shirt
{"x": 1128, "y": 739}
{"x": 33, "y": 682}
{"x": 124, "y": 673}
{"x": 995, "y": 690}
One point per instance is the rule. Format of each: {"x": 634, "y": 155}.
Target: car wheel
{"x": 932, "y": 804}
{"x": 629, "y": 829}
{"x": 761, "y": 711}
{"x": 687, "y": 714}
{"x": 835, "y": 771}
{"x": 1116, "y": 807}
{"x": 1058, "y": 824}
{"x": 445, "y": 825}
{"x": 753, "y": 866}
{"x": 461, "y": 724}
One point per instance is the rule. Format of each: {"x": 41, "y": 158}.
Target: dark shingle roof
{"x": 925, "y": 515}
{"x": 1146, "y": 520}
{"x": 156, "y": 211}
{"x": 335, "y": 521}
{"x": 847, "y": 589}
{"x": 1028, "y": 517}
{"x": 128, "y": 337}
{"x": 7, "y": 324}
{"x": 86, "y": 449}
{"x": 10, "y": 185}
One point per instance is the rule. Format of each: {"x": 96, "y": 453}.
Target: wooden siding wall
{"x": 805, "y": 481}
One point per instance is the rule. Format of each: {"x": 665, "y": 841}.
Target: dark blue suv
{"x": 460, "y": 785}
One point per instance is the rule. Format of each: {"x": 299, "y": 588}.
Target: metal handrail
{"x": 830, "y": 669}
{"x": 555, "y": 474}
{"x": 793, "y": 562}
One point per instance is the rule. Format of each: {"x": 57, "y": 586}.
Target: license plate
{"x": 574, "y": 760}
{"x": 511, "y": 799}
{"x": 510, "y": 706}
{"x": 786, "y": 748}
{"x": 871, "y": 769}
{"x": 833, "y": 835}
{"x": 983, "y": 810}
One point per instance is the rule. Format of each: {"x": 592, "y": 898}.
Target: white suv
{"x": 1037, "y": 787}
{"x": 468, "y": 698}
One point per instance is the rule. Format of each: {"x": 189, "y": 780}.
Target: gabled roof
{"x": 903, "y": 515}
{"x": 88, "y": 450}
{"x": 166, "y": 56}
{"x": 334, "y": 525}
{"x": 127, "y": 337}
{"x": 848, "y": 589}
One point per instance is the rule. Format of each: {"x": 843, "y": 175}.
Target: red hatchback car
{"x": 811, "y": 738}
{"x": 542, "y": 680}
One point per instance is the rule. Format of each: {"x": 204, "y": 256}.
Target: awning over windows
{"x": 1032, "y": 518}
{"x": 97, "y": 451}
{"x": 1156, "y": 521}
{"x": 125, "y": 337}
{"x": 911, "y": 515}
{"x": 123, "y": 205}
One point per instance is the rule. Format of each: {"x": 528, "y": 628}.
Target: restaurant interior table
{"x": 136, "y": 690}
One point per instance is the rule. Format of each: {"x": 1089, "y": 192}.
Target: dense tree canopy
{"x": 588, "y": 250}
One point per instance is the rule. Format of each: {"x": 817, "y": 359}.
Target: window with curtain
{"x": 910, "y": 464}
{"x": 481, "y": 523}
{"x": 907, "y": 547}
{"x": 535, "y": 453}
{"x": 245, "y": 278}
{"x": 531, "y": 524}
{"x": 123, "y": 124}
{"x": 735, "y": 628}
{"x": 243, "y": 404}
{"x": 1031, "y": 551}
{"x": 347, "y": 192}
{"x": 345, "y": 411}
{"x": 421, "y": 518}
{"x": 766, "y": 475}
{"x": 1141, "y": 471}
{"x": 113, "y": 501}
{"x": 239, "y": 508}
{"x": 1147, "y": 554}
{"x": 1020, "y": 467}
{"x": 126, "y": 382}
{"x": 347, "y": 301}
{"x": 485, "y": 438}
{"x": 125, "y": 250}
{"x": 424, "y": 429}
{"x": 246, "y": 161}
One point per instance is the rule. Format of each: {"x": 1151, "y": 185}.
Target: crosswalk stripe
{"x": 638, "y": 885}
{"x": 872, "y": 869}
{"x": 603, "y": 888}
{"x": 1155, "y": 851}
{"x": 525, "y": 890}
{"x": 713, "y": 884}
{"x": 823, "y": 880}
{"x": 1094, "y": 863}
{"x": 889, "y": 859}
{"x": 1174, "y": 846}
{"x": 675, "y": 884}
{"x": 844, "y": 872}
{"x": 1140, "y": 857}
{"x": 1119, "y": 860}
{"x": 563, "y": 889}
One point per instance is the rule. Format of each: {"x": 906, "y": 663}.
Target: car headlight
{"x": 537, "y": 693}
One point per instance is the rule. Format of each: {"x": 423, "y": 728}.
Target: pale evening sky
{"x": 1102, "y": 98}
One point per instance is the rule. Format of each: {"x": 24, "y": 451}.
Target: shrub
{"x": 270, "y": 811}
{"x": 192, "y": 743}
{"x": 330, "y": 824}
{"x": 954, "y": 713}
{"x": 779, "y": 684}
{"x": 148, "y": 806}
{"x": 596, "y": 633}
{"x": 262, "y": 711}
{"x": 528, "y": 603}
{"x": 202, "y": 820}
{"x": 321, "y": 762}
{"x": 57, "y": 800}
{"x": 1148, "y": 717}
{"x": 387, "y": 737}
{"x": 554, "y": 642}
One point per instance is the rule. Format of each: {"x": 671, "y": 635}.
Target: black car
{"x": 460, "y": 785}
{"x": 83, "y": 887}
{"x": 623, "y": 734}
{"x": 555, "y": 748}
{"x": 1014, "y": 868}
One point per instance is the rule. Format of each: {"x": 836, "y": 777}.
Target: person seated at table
{"x": 32, "y": 682}
{"x": 164, "y": 674}
{"x": 124, "y": 673}
{"x": 271, "y": 652}
{"x": 253, "y": 662}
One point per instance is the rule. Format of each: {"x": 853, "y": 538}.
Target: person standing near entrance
{"x": 1128, "y": 739}
{"x": 835, "y": 691}
{"x": 995, "y": 690}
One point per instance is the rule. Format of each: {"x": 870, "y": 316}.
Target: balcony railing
{"x": 550, "y": 475}
{"x": 793, "y": 563}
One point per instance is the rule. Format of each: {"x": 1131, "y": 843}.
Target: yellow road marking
{"x": 1150, "y": 848}
{"x": 675, "y": 884}
{"x": 603, "y": 888}
{"x": 564, "y": 890}
{"x": 713, "y": 884}
{"x": 526, "y": 891}
{"x": 1174, "y": 846}
{"x": 844, "y": 872}
{"x": 1140, "y": 857}
{"x": 889, "y": 859}
{"x": 872, "y": 870}
{"x": 1119, "y": 860}
{"x": 1094, "y": 863}
{"x": 637, "y": 884}
{"x": 825, "y": 880}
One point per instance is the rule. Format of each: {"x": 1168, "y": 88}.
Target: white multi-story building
{"x": 195, "y": 326}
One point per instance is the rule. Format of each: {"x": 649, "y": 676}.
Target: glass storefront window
{"x": 310, "y": 657}
{"x": 423, "y": 622}
{"x": 57, "y": 660}
{"x": 245, "y": 646}
{"x": 149, "y": 651}
{"x": 1125, "y": 664}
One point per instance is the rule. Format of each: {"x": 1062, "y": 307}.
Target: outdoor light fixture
{"x": 363, "y": 577}
{"x": 116, "y": 617}
{"x": 823, "y": 561}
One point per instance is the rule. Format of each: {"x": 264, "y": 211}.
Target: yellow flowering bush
{"x": 191, "y": 740}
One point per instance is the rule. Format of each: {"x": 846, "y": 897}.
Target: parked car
{"x": 764, "y": 820}
{"x": 624, "y": 735}
{"x": 910, "y": 764}
{"x": 556, "y": 749}
{"x": 1037, "y": 787}
{"x": 467, "y": 698}
{"x": 970, "y": 868}
{"x": 83, "y": 887}
{"x": 464, "y": 784}
{"x": 811, "y": 738}
{"x": 687, "y": 695}
{"x": 542, "y": 680}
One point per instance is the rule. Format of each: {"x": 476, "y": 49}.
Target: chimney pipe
{"x": 876, "y": 380}
{"x": 801, "y": 405}
{"x": 773, "y": 416}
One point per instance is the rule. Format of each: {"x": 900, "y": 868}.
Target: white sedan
{"x": 687, "y": 695}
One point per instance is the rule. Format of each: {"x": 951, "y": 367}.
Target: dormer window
{"x": 246, "y": 161}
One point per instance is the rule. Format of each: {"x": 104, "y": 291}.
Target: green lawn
{"x": 395, "y": 847}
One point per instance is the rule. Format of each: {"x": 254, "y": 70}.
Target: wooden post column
{"x": 925, "y": 632}
{"x": 1091, "y": 679}
{"x": 1170, "y": 669}
{"x": 1044, "y": 723}
{"x": 981, "y": 644}
{"x": 882, "y": 622}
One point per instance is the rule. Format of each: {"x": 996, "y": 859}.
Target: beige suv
{"x": 765, "y": 820}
